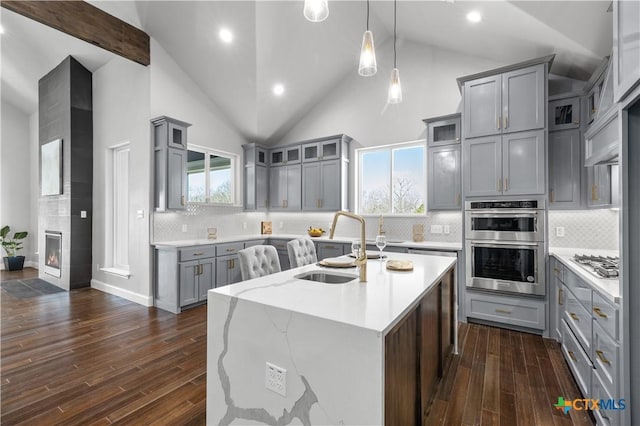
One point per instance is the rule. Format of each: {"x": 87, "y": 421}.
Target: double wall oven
{"x": 505, "y": 246}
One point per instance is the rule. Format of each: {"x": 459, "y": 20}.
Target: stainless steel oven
{"x": 513, "y": 267}
{"x": 505, "y": 245}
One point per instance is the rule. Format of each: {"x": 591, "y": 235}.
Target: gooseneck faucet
{"x": 361, "y": 261}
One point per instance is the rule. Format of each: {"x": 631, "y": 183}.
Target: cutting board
{"x": 338, "y": 262}
{"x": 400, "y": 265}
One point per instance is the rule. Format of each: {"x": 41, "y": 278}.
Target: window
{"x": 117, "y": 211}
{"x": 210, "y": 176}
{"x": 392, "y": 179}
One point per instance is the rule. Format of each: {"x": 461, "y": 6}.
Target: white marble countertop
{"x": 607, "y": 288}
{"x": 424, "y": 245}
{"x": 375, "y": 305}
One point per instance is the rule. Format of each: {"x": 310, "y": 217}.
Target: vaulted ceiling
{"x": 273, "y": 43}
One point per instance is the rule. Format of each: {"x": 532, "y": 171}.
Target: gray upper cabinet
{"x": 483, "y": 166}
{"x": 326, "y": 250}
{"x": 626, "y": 47}
{"x": 285, "y": 187}
{"x": 443, "y": 183}
{"x": 564, "y": 114}
{"x": 321, "y": 186}
{"x": 565, "y": 166}
{"x": 286, "y": 155}
{"x": 523, "y": 163}
{"x": 255, "y": 178}
{"x": 321, "y": 150}
{"x": 482, "y": 106}
{"x": 599, "y": 186}
{"x": 444, "y": 130}
{"x": 513, "y": 101}
{"x": 170, "y": 163}
{"x": 511, "y": 164}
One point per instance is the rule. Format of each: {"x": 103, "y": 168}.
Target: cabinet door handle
{"x": 572, "y": 356}
{"x": 506, "y": 184}
{"x": 499, "y": 185}
{"x": 283, "y": 204}
{"x": 593, "y": 193}
{"x": 320, "y": 202}
{"x": 182, "y": 200}
{"x": 557, "y": 271}
{"x": 458, "y": 199}
{"x": 602, "y": 357}
{"x": 574, "y": 316}
{"x": 598, "y": 312}
{"x": 503, "y": 311}
{"x": 506, "y": 122}
{"x": 198, "y": 253}
{"x": 231, "y": 249}
{"x": 498, "y": 123}
{"x": 560, "y": 297}
{"x": 552, "y": 196}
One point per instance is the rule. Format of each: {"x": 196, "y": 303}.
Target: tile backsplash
{"x": 193, "y": 222}
{"x": 587, "y": 229}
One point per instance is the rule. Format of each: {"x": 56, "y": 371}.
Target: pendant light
{"x": 395, "y": 90}
{"x": 316, "y": 10}
{"x": 368, "y": 64}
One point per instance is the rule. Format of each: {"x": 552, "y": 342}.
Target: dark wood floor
{"x": 86, "y": 357}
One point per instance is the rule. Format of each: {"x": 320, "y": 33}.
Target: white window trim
{"x": 110, "y": 213}
{"x": 235, "y": 176}
{"x": 358, "y": 175}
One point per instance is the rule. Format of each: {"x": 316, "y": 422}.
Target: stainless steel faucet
{"x": 361, "y": 261}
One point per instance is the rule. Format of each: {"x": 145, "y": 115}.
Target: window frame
{"x": 208, "y": 152}
{"x": 389, "y": 148}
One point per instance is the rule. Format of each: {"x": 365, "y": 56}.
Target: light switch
{"x": 140, "y": 214}
{"x": 83, "y": 214}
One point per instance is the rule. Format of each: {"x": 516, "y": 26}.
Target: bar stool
{"x": 302, "y": 252}
{"x": 258, "y": 261}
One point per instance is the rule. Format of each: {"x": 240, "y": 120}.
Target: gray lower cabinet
{"x": 515, "y": 311}
{"x": 196, "y": 278}
{"x": 283, "y": 253}
{"x": 565, "y": 169}
{"x": 255, "y": 178}
{"x": 557, "y": 300}
{"x": 227, "y": 270}
{"x": 326, "y": 250}
{"x": 444, "y": 180}
{"x": 511, "y": 164}
{"x": 321, "y": 186}
{"x": 285, "y": 188}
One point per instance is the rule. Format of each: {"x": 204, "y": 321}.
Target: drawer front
{"x": 254, "y": 243}
{"x": 606, "y": 315}
{"x": 523, "y": 313}
{"x": 194, "y": 253}
{"x": 577, "y": 359}
{"x": 606, "y": 358}
{"x": 229, "y": 248}
{"x": 578, "y": 319}
{"x": 579, "y": 288}
{"x": 557, "y": 269}
{"x": 599, "y": 391}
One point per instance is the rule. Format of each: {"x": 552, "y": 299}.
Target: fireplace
{"x": 53, "y": 253}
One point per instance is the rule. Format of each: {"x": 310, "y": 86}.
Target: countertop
{"x": 607, "y": 288}
{"x": 375, "y": 305}
{"x": 424, "y": 245}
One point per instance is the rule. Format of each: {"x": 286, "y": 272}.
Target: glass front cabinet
{"x": 443, "y": 130}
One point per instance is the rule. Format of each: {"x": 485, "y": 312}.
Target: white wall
{"x": 15, "y": 177}
{"x": 34, "y": 191}
{"x": 355, "y": 107}
{"x": 121, "y": 114}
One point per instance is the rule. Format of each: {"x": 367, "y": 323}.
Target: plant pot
{"x": 13, "y": 263}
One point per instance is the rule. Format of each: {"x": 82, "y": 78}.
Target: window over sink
{"x": 391, "y": 179}
{"x": 211, "y": 176}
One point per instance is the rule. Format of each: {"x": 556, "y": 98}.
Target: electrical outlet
{"x": 281, "y": 225}
{"x": 436, "y": 229}
{"x": 275, "y": 379}
{"x": 83, "y": 214}
{"x": 184, "y": 227}
{"x": 559, "y": 231}
{"x": 244, "y": 225}
{"x": 140, "y": 214}
{"x": 447, "y": 229}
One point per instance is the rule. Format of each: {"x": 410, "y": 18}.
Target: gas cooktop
{"x": 600, "y": 266}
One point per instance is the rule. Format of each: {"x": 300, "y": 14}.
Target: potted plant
{"x": 11, "y": 246}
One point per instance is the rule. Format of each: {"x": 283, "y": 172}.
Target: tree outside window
{"x": 210, "y": 177}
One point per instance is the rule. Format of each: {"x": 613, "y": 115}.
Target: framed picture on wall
{"x": 51, "y": 167}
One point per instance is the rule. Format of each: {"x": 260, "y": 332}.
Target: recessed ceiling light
{"x": 225, "y": 35}
{"x": 474, "y": 17}
{"x": 278, "y": 89}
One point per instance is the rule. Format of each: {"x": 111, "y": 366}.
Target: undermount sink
{"x": 327, "y": 277}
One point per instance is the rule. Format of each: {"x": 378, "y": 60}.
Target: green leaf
{"x": 20, "y": 235}
{"x": 4, "y": 231}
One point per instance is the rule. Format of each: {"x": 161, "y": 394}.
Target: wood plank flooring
{"x": 86, "y": 357}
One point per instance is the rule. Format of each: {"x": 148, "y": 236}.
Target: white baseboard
{"x": 125, "y": 294}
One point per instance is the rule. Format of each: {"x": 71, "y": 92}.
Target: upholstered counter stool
{"x": 302, "y": 252}
{"x": 258, "y": 261}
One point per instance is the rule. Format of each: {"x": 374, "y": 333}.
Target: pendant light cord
{"x": 367, "y": 15}
{"x": 394, "y": 32}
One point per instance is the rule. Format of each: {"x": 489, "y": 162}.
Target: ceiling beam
{"x": 86, "y": 22}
